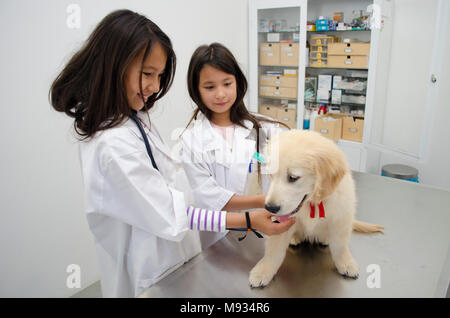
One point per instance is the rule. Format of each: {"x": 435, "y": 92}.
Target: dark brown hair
{"x": 91, "y": 87}
{"x": 218, "y": 56}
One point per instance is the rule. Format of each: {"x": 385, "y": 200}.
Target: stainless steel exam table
{"x": 411, "y": 258}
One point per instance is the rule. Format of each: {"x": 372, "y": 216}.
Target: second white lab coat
{"x": 136, "y": 213}
{"x": 215, "y": 171}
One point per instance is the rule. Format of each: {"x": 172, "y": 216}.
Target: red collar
{"x": 312, "y": 208}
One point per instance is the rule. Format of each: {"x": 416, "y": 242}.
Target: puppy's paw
{"x": 348, "y": 268}
{"x": 261, "y": 274}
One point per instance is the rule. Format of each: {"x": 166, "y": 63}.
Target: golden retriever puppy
{"x": 312, "y": 183}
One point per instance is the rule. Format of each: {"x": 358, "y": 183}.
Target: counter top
{"x": 411, "y": 258}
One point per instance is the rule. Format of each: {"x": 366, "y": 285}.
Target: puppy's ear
{"x": 330, "y": 166}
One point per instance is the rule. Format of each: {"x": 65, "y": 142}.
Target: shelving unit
{"x": 277, "y": 41}
{"x": 296, "y": 14}
{"x": 402, "y": 73}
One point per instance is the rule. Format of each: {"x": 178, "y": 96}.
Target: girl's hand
{"x": 261, "y": 220}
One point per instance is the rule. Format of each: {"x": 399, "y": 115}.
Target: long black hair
{"x": 91, "y": 87}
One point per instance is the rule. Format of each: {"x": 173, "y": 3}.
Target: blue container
{"x": 402, "y": 172}
{"x": 306, "y": 123}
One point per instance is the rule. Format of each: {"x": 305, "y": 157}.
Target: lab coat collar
{"x": 154, "y": 135}
{"x": 210, "y": 140}
{"x": 204, "y": 131}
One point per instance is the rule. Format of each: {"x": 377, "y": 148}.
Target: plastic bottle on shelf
{"x": 306, "y": 119}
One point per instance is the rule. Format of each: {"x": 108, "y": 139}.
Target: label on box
{"x": 288, "y": 72}
{"x": 336, "y": 96}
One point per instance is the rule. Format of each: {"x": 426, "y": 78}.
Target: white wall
{"x": 42, "y": 222}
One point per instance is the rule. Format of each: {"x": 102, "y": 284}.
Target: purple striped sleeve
{"x": 192, "y": 219}
{"x": 198, "y": 220}
{"x": 212, "y": 221}
{"x": 206, "y": 218}
{"x": 220, "y": 219}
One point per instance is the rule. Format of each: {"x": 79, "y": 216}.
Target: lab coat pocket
{"x": 176, "y": 224}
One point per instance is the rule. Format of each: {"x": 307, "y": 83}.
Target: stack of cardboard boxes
{"x": 278, "y": 86}
{"x": 335, "y": 127}
{"x": 278, "y": 54}
{"x": 284, "y": 114}
{"x": 348, "y": 55}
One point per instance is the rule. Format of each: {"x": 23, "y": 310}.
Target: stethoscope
{"x": 149, "y": 152}
{"x": 144, "y": 136}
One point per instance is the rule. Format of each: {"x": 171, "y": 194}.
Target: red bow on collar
{"x": 313, "y": 210}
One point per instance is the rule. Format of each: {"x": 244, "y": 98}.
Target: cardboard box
{"x": 288, "y": 116}
{"x": 278, "y": 80}
{"x": 289, "y": 54}
{"x": 284, "y": 114}
{"x": 347, "y": 61}
{"x": 268, "y": 110}
{"x": 329, "y": 127}
{"x": 352, "y": 129}
{"x": 352, "y": 48}
{"x": 278, "y": 91}
{"x": 269, "y": 54}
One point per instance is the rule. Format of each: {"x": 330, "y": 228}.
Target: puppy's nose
{"x": 272, "y": 208}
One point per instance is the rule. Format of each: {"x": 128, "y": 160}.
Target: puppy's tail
{"x": 364, "y": 227}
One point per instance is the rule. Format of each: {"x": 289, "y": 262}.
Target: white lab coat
{"x": 136, "y": 213}
{"x": 214, "y": 171}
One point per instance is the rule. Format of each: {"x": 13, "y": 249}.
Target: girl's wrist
{"x": 261, "y": 201}
{"x": 254, "y": 220}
